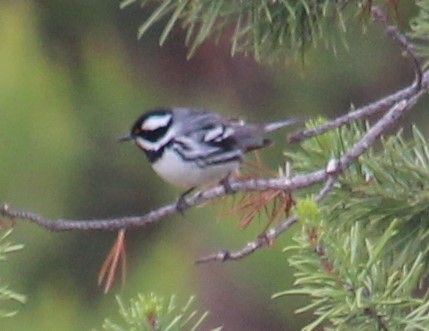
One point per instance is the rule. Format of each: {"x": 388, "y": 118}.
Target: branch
{"x": 398, "y": 103}
{"x": 327, "y": 175}
{"x": 421, "y": 81}
{"x": 288, "y": 184}
{"x": 363, "y": 112}
{"x": 265, "y": 239}
{"x": 333, "y": 169}
{"x": 154, "y": 216}
{"x": 393, "y": 32}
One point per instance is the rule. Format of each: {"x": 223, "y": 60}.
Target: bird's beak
{"x": 128, "y": 137}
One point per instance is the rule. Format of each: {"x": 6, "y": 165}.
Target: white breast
{"x": 186, "y": 174}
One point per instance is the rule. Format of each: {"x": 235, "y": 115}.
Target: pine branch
{"x": 420, "y": 31}
{"x": 393, "y": 32}
{"x": 361, "y": 113}
{"x": 361, "y": 257}
{"x": 265, "y": 239}
{"x": 398, "y": 103}
{"x": 151, "y": 312}
{"x": 270, "y": 30}
{"x": 6, "y": 294}
{"x": 402, "y": 101}
{"x": 262, "y": 184}
{"x": 333, "y": 169}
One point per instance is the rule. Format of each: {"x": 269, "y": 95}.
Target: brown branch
{"x": 361, "y": 113}
{"x": 154, "y": 216}
{"x": 265, "y": 239}
{"x": 289, "y": 184}
{"x": 397, "y": 103}
{"x": 335, "y": 167}
{"x": 393, "y": 32}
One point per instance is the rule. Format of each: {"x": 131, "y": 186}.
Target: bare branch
{"x": 393, "y": 32}
{"x": 361, "y": 113}
{"x": 397, "y": 104}
{"x": 421, "y": 82}
{"x": 289, "y": 184}
{"x": 263, "y": 240}
{"x": 199, "y": 198}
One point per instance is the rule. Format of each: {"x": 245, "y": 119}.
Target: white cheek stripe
{"x": 155, "y": 145}
{"x": 156, "y": 122}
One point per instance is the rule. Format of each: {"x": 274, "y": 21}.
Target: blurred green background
{"x": 73, "y": 79}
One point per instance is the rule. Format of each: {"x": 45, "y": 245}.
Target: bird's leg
{"x": 225, "y": 182}
{"x": 181, "y": 204}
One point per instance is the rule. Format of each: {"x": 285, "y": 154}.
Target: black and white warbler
{"x": 192, "y": 147}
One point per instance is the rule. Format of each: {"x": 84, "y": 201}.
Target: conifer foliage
{"x": 270, "y": 30}
{"x": 360, "y": 189}
{"x": 362, "y": 255}
{"x": 8, "y": 297}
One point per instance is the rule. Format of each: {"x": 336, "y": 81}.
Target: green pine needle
{"x": 7, "y": 295}
{"x": 420, "y": 30}
{"x": 150, "y": 312}
{"x": 364, "y": 262}
{"x": 270, "y": 30}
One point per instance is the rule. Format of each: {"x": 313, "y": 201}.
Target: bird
{"x": 190, "y": 147}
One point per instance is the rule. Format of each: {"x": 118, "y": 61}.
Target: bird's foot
{"x": 227, "y": 185}
{"x": 182, "y": 204}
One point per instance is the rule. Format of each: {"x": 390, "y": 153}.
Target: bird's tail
{"x": 279, "y": 124}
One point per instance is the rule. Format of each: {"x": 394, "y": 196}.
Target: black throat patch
{"x": 154, "y": 156}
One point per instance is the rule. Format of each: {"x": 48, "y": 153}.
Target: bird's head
{"x": 151, "y": 131}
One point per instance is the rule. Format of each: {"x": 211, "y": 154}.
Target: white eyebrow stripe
{"x": 149, "y": 145}
{"x": 156, "y": 122}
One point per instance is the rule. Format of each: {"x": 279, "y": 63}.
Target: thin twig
{"x": 397, "y": 103}
{"x": 263, "y": 240}
{"x": 421, "y": 81}
{"x": 361, "y": 113}
{"x": 393, "y": 32}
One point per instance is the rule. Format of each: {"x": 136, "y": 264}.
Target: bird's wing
{"x": 206, "y": 138}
